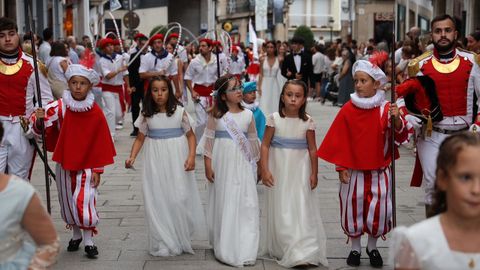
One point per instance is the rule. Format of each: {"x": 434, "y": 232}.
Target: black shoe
{"x": 73, "y": 244}
{"x": 353, "y": 258}
{"x": 375, "y": 258}
{"x": 91, "y": 251}
{"x": 134, "y": 133}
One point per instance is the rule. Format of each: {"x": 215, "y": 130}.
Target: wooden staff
{"x": 392, "y": 119}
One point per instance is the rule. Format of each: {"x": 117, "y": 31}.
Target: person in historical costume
{"x": 456, "y": 87}
{"x": 358, "y": 143}
{"x": 249, "y": 102}
{"x": 114, "y": 75}
{"x": 17, "y": 95}
{"x": 78, "y": 135}
{"x": 159, "y": 62}
{"x": 200, "y": 76}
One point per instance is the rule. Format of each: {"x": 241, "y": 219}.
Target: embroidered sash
{"x": 240, "y": 139}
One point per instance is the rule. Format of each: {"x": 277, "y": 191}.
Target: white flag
{"x": 252, "y": 38}
{"x": 114, "y": 5}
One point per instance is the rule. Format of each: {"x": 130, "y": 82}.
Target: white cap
{"x": 79, "y": 70}
{"x": 374, "y": 71}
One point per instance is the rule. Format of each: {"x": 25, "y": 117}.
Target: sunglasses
{"x": 238, "y": 88}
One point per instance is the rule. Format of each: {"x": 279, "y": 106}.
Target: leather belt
{"x": 447, "y": 131}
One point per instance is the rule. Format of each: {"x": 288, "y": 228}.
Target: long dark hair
{"x": 275, "y": 51}
{"x": 447, "y": 158}
{"x": 302, "y": 114}
{"x": 150, "y": 107}
{"x": 220, "y": 107}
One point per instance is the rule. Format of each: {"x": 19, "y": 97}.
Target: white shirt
{"x": 167, "y": 64}
{"x": 182, "y": 53}
{"x": 298, "y": 62}
{"x": 44, "y": 51}
{"x": 318, "y": 61}
{"x": 55, "y": 69}
{"x": 237, "y": 67}
{"x": 201, "y": 72}
{"x": 107, "y": 66}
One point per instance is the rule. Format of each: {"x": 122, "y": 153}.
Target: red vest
{"x": 13, "y": 90}
{"x": 451, "y": 87}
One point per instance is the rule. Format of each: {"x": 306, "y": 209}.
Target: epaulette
{"x": 477, "y": 58}
{"x": 414, "y": 64}
{"x": 42, "y": 68}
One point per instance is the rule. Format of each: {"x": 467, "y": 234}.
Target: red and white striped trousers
{"x": 365, "y": 203}
{"x": 77, "y": 197}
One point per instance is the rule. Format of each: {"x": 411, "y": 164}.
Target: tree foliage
{"x": 155, "y": 29}
{"x": 306, "y": 33}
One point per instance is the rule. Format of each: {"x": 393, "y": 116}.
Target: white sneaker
{"x": 118, "y": 127}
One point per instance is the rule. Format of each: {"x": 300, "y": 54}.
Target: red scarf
{"x": 84, "y": 141}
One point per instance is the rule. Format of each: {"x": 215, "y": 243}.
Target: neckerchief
{"x": 160, "y": 56}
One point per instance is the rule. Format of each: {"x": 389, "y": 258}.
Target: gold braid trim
{"x": 414, "y": 65}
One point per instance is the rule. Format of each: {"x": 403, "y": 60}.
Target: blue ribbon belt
{"x": 165, "y": 133}
{"x": 281, "y": 142}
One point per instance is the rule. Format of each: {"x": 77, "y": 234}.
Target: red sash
{"x": 112, "y": 88}
{"x": 202, "y": 90}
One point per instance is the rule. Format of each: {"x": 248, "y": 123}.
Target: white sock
{"x": 77, "y": 233}
{"x": 87, "y": 234}
{"x": 372, "y": 243}
{"x": 356, "y": 245}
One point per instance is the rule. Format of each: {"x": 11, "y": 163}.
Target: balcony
{"x": 310, "y": 20}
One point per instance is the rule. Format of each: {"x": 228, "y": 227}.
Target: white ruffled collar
{"x": 78, "y": 105}
{"x": 252, "y": 107}
{"x": 370, "y": 102}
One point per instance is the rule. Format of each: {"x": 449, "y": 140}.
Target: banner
{"x": 252, "y": 38}
{"x": 114, "y": 5}
{"x": 261, "y": 14}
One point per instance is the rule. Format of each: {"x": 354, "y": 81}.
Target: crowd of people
{"x": 250, "y": 126}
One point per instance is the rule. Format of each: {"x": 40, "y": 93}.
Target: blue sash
{"x": 165, "y": 133}
{"x": 281, "y": 142}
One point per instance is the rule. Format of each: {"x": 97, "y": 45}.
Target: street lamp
{"x": 330, "y": 24}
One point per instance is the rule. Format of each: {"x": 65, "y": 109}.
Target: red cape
{"x": 84, "y": 141}
{"x": 356, "y": 139}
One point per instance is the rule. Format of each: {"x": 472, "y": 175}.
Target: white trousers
{"x": 427, "y": 150}
{"x": 16, "y": 153}
{"x": 77, "y": 197}
{"x": 97, "y": 93}
{"x": 112, "y": 110}
{"x": 201, "y": 108}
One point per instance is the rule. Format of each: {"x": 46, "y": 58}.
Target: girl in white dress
{"x": 293, "y": 233}
{"x": 231, "y": 150}
{"x": 172, "y": 204}
{"x": 269, "y": 89}
{"x": 451, "y": 239}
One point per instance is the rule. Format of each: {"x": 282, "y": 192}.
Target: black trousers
{"x": 137, "y": 98}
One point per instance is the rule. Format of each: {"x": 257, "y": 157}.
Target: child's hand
{"x": 267, "y": 179}
{"x": 40, "y": 113}
{"x": 209, "y": 174}
{"x": 344, "y": 176}
{"x": 313, "y": 181}
{"x": 395, "y": 112}
{"x": 189, "y": 164}
{"x": 96, "y": 179}
{"x": 129, "y": 163}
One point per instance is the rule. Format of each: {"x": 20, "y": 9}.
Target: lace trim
{"x": 370, "y": 102}
{"x": 252, "y": 107}
{"x": 78, "y": 105}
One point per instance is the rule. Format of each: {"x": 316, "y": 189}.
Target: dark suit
{"x": 306, "y": 67}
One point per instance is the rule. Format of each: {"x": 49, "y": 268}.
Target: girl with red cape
{"x": 77, "y": 133}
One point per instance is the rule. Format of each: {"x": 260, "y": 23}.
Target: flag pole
{"x": 39, "y": 100}
{"x": 392, "y": 139}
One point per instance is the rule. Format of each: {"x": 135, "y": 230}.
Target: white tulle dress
{"x": 271, "y": 89}
{"x": 293, "y": 231}
{"x": 174, "y": 212}
{"x": 233, "y": 212}
{"x": 424, "y": 246}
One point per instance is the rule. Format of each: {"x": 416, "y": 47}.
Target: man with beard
{"x": 17, "y": 92}
{"x": 456, "y": 74}
{"x": 200, "y": 76}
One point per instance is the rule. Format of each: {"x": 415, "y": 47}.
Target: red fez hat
{"x": 235, "y": 49}
{"x": 172, "y": 35}
{"x": 155, "y": 37}
{"x": 106, "y": 41}
{"x": 116, "y": 42}
{"x": 139, "y": 36}
{"x": 208, "y": 41}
